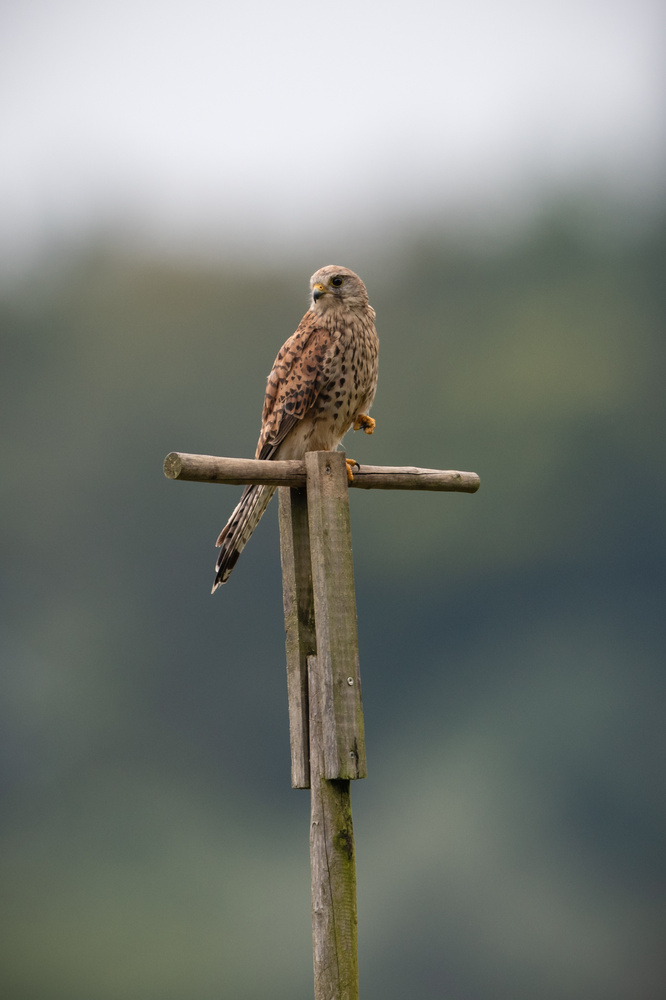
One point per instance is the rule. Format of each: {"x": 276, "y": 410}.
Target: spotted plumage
{"x": 322, "y": 383}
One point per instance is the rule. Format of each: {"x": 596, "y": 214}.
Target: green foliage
{"x": 511, "y": 641}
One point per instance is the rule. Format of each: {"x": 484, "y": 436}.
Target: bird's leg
{"x": 368, "y": 425}
{"x": 350, "y": 463}
{"x": 365, "y": 422}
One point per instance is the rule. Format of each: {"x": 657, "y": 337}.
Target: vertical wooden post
{"x": 299, "y": 624}
{"x": 333, "y": 867}
{"x": 325, "y": 710}
{"x": 335, "y": 614}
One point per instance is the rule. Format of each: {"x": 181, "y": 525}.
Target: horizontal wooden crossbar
{"x": 243, "y": 471}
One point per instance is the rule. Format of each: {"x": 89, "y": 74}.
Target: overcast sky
{"x": 201, "y": 119}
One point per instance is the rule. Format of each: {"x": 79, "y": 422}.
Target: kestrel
{"x": 322, "y": 383}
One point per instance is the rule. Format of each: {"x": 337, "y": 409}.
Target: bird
{"x": 322, "y": 383}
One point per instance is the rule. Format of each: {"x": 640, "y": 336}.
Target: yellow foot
{"x": 365, "y": 422}
{"x": 351, "y": 462}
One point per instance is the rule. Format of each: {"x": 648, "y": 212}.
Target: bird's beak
{"x": 317, "y": 291}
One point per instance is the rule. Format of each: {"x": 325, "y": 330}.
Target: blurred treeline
{"x": 510, "y": 833}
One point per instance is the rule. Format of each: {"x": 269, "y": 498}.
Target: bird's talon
{"x": 365, "y": 422}
{"x": 350, "y": 463}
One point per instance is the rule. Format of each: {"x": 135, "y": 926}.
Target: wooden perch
{"x": 323, "y": 679}
{"x": 242, "y": 471}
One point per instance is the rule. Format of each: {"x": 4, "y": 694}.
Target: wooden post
{"x": 323, "y": 680}
{"x": 332, "y": 865}
{"x": 335, "y": 615}
{"x": 299, "y": 623}
{"x": 322, "y": 661}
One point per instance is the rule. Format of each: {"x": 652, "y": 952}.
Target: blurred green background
{"x": 511, "y": 828}
{"x": 510, "y": 833}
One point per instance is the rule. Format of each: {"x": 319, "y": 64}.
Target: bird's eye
{"x": 337, "y": 281}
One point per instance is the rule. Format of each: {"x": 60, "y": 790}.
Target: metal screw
{"x": 350, "y": 681}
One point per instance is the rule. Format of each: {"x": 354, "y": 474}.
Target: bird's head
{"x": 334, "y": 286}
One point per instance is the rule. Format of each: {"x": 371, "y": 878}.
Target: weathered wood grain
{"x": 333, "y": 866}
{"x": 387, "y": 477}
{"x": 299, "y": 624}
{"x": 232, "y": 471}
{"x": 335, "y": 615}
{"x": 242, "y": 471}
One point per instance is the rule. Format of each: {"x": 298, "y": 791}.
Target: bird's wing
{"x": 293, "y": 384}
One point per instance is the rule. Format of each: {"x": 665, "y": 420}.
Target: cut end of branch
{"x": 173, "y": 465}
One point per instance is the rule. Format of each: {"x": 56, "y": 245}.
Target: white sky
{"x": 270, "y": 120}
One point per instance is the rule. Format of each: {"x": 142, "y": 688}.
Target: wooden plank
{"x": 243, "y": 471}
{"x": 333, "y": 867}
{"x": 299, "y": 624}
{"x": 335, "y": 615}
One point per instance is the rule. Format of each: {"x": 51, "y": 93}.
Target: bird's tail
{"x": 236, "y": 533}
